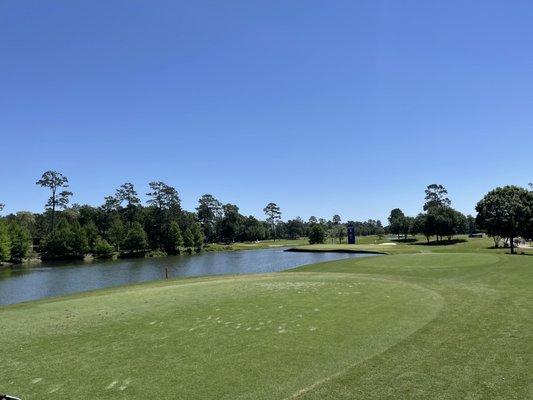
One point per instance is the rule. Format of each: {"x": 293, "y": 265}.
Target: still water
{"x": 56, "y": 279}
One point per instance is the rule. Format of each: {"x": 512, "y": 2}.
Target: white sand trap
{"x": 387, "y": 244}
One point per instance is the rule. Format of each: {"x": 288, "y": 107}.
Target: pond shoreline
{"x": 345, "y": 251}
{"x": 89, "y": 258}
{"x": 25, "y": 283}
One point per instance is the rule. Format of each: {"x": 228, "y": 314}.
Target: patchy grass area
{"x": 429, "y": 322}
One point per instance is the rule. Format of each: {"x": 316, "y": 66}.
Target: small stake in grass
{"x": 166, "y": 272}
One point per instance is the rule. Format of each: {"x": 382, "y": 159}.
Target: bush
{"x": 156, "y": 253}
{"x": 102, "y": 249}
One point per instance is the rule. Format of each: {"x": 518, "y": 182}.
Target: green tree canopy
{"x": 173, "y": 238}
{"x": 209, "y": 211}
{"x": 136, "y": 240}
{"x": 54, "y": 181}
{"x": 398, "y": 224}
{"x": 126, "y": 193}
{"x": 506, "y": 212}
{"x": 273, "y": 214}
{"x": 103, "y": 249}
{"x": 20, "y": 242}
{"x": 5, "y": 242}
{"x": 198, "y": 236}
{"x": 436, "y": 196}
{"x": 230, "y": 225}
{"x": 317, "y": 234}
{"x": 188, "y": 239}
{"x": 68, "y": 240}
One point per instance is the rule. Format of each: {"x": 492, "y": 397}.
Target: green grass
{"x": 419, "y": 244}
{"x": 479, "y": 346}
{"x": 263, "y": 244}
{"x": 450, "y": 322}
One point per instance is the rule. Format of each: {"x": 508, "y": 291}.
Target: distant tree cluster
{"x": 368, "y": 228}
{"x": 123, "y": 226}
{"x": 505, "y": 213}
{"x": 334, "y": 230}
{"x": 438, "y": 220}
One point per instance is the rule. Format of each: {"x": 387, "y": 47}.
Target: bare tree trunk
{"x": 512, "y": 245}
{"x": 53, "y": 208}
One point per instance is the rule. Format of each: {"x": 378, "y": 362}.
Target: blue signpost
{"x": 351, "y": 234}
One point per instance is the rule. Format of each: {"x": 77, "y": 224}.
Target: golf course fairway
{"x": 438, "y": 326}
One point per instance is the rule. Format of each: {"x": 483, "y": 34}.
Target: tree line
{"x": 438, "y": 220}
{"x": 123, "y": 226}
{"x": 505, "y": 214}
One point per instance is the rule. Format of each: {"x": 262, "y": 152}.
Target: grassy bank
{"x": 438, "y": 322}
{"x": 263, "y": 244}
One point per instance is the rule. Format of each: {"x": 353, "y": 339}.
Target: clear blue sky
{"x": 323, "y": 107}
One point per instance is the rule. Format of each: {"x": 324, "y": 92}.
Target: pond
{"x": 55, "y": 279}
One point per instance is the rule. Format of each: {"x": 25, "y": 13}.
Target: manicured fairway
{"x": 456, "y": 324}
{"x": 243, "y": 337}
{"x": 480, "y": 346}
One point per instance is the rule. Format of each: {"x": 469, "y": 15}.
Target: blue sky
{"x": 348, "y": 107}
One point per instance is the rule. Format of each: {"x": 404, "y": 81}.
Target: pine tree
{"x": 198, "y": 237}
{"x": 136, "y": 240}
{"x": 188, "y": 239}
{"x": 20, "y": 242}
{"x": 173, "y": 239}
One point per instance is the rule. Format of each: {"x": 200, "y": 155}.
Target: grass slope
{"x": 438, "y": 322}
